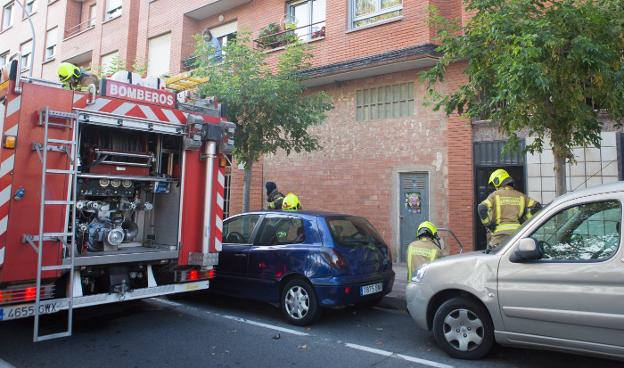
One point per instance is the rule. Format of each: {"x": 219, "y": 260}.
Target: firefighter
{"x": 274, "y": 197}
{"x": 504, "y": 210}
{"x": 291, "y": 203}
{"x": 76, "y": 78}
{"x": 426, "y": 248}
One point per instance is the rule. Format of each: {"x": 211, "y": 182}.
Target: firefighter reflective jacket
{"x": 504, "y": 211}
{"x": 421, "y": 251}
{"x": 275, "y": 200}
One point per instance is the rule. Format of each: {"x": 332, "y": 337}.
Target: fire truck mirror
{"x": 227, "y": 142}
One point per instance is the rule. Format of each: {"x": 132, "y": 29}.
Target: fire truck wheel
{"x": 299, "y": 304}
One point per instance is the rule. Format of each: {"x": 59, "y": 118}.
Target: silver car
{"x": 558, "y": 284}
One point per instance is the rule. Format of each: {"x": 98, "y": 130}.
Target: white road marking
{"x": 266, "y": 325}
{"x": 386, "y": 353}
{"x": 169, "y": 302}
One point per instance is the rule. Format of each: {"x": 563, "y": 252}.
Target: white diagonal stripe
{"x": 13, "y": 106}
{"x": 124, "y": 108}
{"x": 219, "y": 223}
{"x": 1, "y": 259}
{"x": 221, "y": 178}
{"x": 12, "y": 131}
{"x": 218, "y": 245}
{"x": 99, "y": 104}
{"x": 148, "y": 112}
{"x": 77, "y": 96}
{"x": 1, "y": 116}
{"x": 171, "y": 116}
{"x": 5, "y": 195}
{"x": 220, "y": 200}
{"x": 3, "y": 224}
{"x": 7, "y": 166}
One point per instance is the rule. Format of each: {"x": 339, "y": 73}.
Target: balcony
{"x": 214, "y": 7}
{"x": 274, "y": 37}
{"x": 79, "y": 28}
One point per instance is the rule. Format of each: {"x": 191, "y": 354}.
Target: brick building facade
{"x": 385, "y": 155}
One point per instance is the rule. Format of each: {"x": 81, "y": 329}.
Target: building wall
{"x": 46, "y": 16}
{"x": 357, "y": 170}
{"x": 593, "y": 166}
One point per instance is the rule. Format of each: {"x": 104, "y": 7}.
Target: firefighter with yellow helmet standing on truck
{"x": 506, "y": 209}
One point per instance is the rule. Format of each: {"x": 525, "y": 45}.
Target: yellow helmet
{"x": 67, "y": 70}
{"x": 427, "y": 228}
{"x": 291, "y": 202}
{"x": 499, "y": 178}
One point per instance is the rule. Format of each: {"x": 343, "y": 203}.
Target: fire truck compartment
{"x": 128, "y": 195}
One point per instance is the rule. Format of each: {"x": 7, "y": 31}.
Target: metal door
{"x": 413, "y": 206}
{"x": 488, "y": 156}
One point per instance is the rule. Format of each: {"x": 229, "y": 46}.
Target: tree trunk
{"x": 247, "y": 186}
{"x": 560, "y": 173}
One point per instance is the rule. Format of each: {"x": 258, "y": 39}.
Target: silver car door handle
{"x": 240, "y": 255}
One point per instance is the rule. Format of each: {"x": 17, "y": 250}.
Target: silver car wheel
{"x": 463, "y": 330}
{"x": 297, "y": 302}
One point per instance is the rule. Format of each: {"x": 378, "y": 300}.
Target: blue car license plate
{"x": 371, "y": 289}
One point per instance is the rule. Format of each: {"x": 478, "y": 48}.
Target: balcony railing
{"x": 78, "y": 28}
{"x": 306, "y": 33}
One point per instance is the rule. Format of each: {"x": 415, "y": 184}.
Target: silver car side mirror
{"x": 527, "y": 250}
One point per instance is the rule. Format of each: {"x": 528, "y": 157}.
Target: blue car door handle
{"x": 240, "y": 255}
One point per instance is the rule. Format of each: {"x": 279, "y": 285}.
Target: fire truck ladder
{"x": 62, "y": 120}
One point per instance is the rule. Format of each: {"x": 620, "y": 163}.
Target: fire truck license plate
{"x": 28, "y": 310}
{"x": 371, "y": 289}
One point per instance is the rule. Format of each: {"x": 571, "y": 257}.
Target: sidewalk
{"x": 396, "y": 298}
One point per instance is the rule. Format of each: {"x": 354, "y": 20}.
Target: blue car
{"x": 303, "y": 261}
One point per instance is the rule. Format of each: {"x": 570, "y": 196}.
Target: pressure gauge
{"x": 104, "y": 183}
{"x": 126, "y": 184}
{"x": 115, "y": 183}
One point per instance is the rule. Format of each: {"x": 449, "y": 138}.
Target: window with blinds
{"x": 385, "y": 102}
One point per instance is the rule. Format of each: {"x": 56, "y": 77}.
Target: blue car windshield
{"x": 352, "y": 231}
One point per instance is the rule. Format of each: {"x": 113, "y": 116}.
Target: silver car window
{"x": 585, "y": 232}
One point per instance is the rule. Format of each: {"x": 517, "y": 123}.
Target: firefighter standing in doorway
{"x": 426, "y": 248}
{"x": 506, "y": 209}
{"x": 274, "y": 196}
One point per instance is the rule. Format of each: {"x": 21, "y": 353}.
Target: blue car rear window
{"x": 352, "y": 231}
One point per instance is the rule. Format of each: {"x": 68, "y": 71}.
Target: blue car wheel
{"x": 299, "y": 303}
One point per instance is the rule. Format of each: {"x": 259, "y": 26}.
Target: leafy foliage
{"x": 269, "y": 105}
{"x": 543, "y": 66}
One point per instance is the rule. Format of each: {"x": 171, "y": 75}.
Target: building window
{"x": 113, "y": 9}
{"x": 385, "y": 102}
{"x": 309, "y": 17}
{"x": 159, "y": 55}
{"x": 225, "y": 33}
{"x": 30, "y": 6}
{"x": 92, "y": 15}
{"x": 51, "y": 38}
{"x": 4, "y": 59}
{"x": 7, "y": 16}
{"x": 367, "y": 12}
{"x": 25, "y": 51}
{"x": 110, "y": 63}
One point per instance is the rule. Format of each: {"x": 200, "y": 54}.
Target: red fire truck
{"x": 105, "y": 196}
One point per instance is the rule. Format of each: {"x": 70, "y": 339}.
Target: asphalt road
{"x": 202, "y": 330}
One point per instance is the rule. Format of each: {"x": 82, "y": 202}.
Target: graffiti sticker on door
{"x": 413, "y": 202}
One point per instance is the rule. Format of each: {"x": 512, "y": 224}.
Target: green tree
{"x": 269, "y": 105}
{"x": 545, "y": 67}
